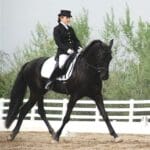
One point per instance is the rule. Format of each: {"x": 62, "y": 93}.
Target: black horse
{"x": 91, "y": 68}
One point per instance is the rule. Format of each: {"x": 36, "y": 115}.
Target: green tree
{"x": 82, "y": 29}
{"x": 41, "y": 44}
{"x": 130, "y": 73}
{"x": 3, "y": 68}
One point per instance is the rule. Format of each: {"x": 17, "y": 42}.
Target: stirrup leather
{"x": 48, "y": 84}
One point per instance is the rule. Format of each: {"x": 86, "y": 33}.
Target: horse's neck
{"x": 84, "y": 62}
{"x": 87, "y": 70}
{"x": 89, "y": 57}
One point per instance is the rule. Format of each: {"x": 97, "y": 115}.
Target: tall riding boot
{"x": 53, "y": 77}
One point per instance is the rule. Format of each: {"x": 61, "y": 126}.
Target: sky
{"x": 19, "y": 17}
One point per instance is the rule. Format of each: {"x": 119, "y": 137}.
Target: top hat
{"x": 66, "y": 13}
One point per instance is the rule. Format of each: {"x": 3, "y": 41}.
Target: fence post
{"x": 144, "y": 120}
{"x": 33, "y": 112}
{"x": 96, "y": 114}
{"x": 65, "y": 102}
{"x": 1, "y": 108}
{"x": 131, "y": 110}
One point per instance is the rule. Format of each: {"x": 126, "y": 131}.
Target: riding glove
{"x": 80, "y": 49}
{"x": 70, "y": 51}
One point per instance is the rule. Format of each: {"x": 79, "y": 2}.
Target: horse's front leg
{"x": 100, "y": 105}
{"x": 70, "y": 106}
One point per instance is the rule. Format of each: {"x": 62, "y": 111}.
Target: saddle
{"x": 50, "y": 65}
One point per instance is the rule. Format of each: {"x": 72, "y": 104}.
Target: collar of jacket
{"x": 66, "y": 26}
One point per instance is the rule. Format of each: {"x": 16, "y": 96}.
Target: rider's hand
{"x": 80, "y": 49}
{"x": 70, "y": 51}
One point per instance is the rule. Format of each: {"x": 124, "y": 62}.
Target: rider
{"x": 66, "y": 41}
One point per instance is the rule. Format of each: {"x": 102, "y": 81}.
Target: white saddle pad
{"x": 49, "y": 66}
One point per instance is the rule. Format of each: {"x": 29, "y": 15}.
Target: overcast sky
{"x": 19, "y": 17}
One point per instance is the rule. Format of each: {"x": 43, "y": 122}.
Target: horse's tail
{"x": 16, "y": 98}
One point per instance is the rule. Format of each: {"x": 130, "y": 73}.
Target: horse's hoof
{"x": 10, "y": 138}
{"x": 55, "y": 138}
{"x": 54, "y": 141}
{"x": 118, "y": 140}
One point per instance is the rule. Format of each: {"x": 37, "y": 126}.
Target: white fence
{"x": 127, "y": 116}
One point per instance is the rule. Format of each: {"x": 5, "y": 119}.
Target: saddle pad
{"x": 48, "y": 67}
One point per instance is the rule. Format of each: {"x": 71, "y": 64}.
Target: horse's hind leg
{"x": 23, "y": 111}
{"x": 42, "y": 113}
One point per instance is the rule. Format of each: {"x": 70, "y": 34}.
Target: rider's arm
{"x": 76, "y": 40}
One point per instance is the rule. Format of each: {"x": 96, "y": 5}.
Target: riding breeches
{"x": 62, "y": 59}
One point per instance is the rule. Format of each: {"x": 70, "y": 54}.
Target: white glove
{"x": 80, "y": 49}
{"x": 70, "y": 51}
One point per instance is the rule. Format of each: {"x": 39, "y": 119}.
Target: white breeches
{"x": 62, "y": 60}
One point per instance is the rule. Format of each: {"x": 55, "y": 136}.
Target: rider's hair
{"x": 58, "y": 19}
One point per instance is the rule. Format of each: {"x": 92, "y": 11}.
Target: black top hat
{"x": 65, "y": 13}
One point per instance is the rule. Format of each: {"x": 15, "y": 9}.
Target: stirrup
{"x": 48, "y": 84}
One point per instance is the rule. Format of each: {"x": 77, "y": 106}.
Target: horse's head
{"x": 98, "y": 56}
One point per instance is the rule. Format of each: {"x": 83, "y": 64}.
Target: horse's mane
{"x": 92, "y": 43}
{"x": 88, "y": 47}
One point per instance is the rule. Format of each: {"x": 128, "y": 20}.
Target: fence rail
{"x": 119, "y": 111}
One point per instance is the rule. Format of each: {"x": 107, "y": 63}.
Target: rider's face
{"x": 66, "y": 20}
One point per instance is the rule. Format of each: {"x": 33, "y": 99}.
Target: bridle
{"x": 98, "y": 69}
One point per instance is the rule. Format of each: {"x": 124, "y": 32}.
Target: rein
{"x": 98, "y": 69}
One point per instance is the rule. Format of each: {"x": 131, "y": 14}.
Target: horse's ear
{"x": 111, "y": 43}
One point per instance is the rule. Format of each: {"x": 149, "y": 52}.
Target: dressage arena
{"x": 131, "y": 122}
{"x": 85, "y": 141}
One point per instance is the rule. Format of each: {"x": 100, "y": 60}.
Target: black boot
{"x": 55, "y": 74}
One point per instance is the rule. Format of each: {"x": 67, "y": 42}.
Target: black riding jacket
{"x": 65, "y": 39}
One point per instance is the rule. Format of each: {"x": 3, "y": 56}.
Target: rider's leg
{"x": 52, "y": 77}
{"x": 62, "y": 59}
{"x": 57, "y": 71}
